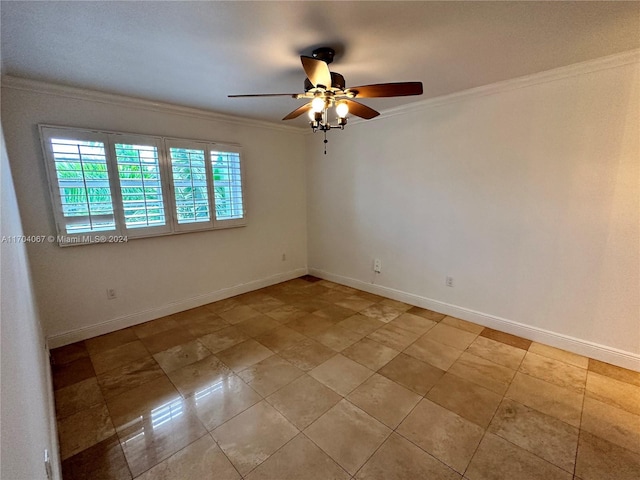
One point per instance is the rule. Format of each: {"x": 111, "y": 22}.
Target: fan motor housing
{"x": 337, "y": 82}
{"x": 325, "y": 54}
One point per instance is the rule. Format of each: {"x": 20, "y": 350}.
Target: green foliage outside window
{"x": 190, "y": 185}
{"x": 83, "y": 182}
{"x": 141, "y": 187}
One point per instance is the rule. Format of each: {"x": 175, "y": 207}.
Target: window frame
{"x": 191, "y": 145}
{"x": 147, "y": 140}
{"x": 163, "y": 144}
{"x": 231, "y": 222}
{"x": 47, "y": 135}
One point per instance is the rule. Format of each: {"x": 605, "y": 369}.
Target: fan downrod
{"x": 325, "y": 54}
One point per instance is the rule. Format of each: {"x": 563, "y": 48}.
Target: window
{"x": 227, "y": 185}
{"x": 139, "y": 186}
{"x": 83, "y": 196}
{"x": 190, "y": 186}
{"x": 141, "y": 190}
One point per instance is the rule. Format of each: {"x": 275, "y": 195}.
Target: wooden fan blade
{"x": 401, "y": 89}
{"x": 292, "y": 95}
{"x": 317, "y": 71}
{"x": 298, "y": 111}
{"x": 360, "y": 110}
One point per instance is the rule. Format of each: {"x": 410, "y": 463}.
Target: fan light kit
{"x": 326, "y": 90}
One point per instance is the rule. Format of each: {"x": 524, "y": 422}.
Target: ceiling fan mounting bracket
{"x": 325, "y": 54}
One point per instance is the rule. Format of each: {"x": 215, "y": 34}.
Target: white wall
{"x": 528, "y": 197}
{"x": 26, "y": 403}
{"x": 156, "y": 276}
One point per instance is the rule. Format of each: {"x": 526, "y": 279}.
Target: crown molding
{"x": 582, "y": 68}
{"x": 36, "y": 86}
{"x": 575, "y": 69}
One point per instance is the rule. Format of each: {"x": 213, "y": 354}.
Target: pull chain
{"x": 325, "y": 142}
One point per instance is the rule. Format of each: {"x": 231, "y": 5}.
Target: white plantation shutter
{"x": 191, "y": 191}
{"x": 80, "y": 180}
{"x": 227, "y": 185}
{"x": 141, "y": 178}
{"x": 110, "y": 184}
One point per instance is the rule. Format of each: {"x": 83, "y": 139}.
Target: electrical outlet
{"x": 377, "y": 265}
{"x": 47, "y": 464}
{"x": 449, "y": 281}
{"x": 111, "y": 293}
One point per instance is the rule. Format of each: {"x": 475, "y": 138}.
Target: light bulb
{"x": 342, "y": 109}
{"x": 317, "y": 104}
{"x": 312, "y": 115}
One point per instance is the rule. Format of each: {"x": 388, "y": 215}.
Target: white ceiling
{"x": 196, "y": 53}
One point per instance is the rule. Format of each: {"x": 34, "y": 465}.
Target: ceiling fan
{"x": 325, "y": 89}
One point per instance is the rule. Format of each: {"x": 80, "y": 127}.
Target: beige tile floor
{"x": 312, "y": 380}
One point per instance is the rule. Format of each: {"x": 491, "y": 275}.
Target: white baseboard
{"x": 53, "y": 446}
{"x": 597, "y": 351}
{"x": 125, "y": 321}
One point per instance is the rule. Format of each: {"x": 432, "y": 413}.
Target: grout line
{"x": 184, "y": 398}
{"x": 225, "y": 454}
{"x": 320, "y": 448}
{"x": 584, "y": 397}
